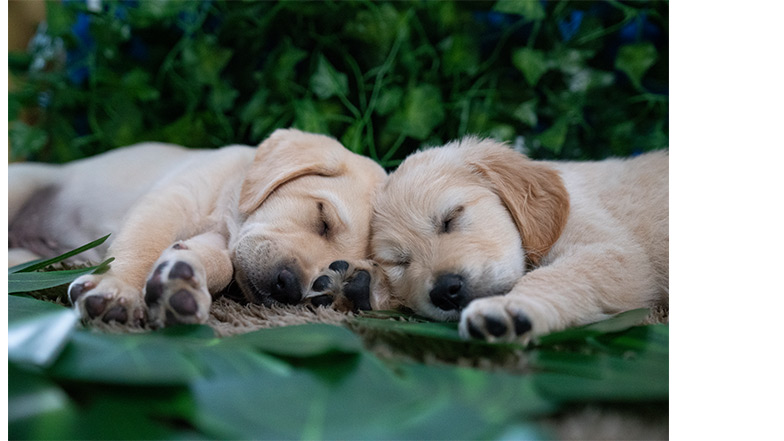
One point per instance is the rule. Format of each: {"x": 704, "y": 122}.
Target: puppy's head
{"x": 306, "y": 201}
{"x": 463, "y": 221}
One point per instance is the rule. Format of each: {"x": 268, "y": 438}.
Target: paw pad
{"x": 175, "y": 293}
{"x": 95, "y": 305}
{"x": 117, "y": 313}
{"x": 183, "y": 302}
{"x": 521, "y": 323}
{"x": 76, "y": 290}
{"x": 495, "y": 326}
{"x": 340, "y": 266}
{"x": 321, "y": 283}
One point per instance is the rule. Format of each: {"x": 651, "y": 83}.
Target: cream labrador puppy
{"x": 185, "y": 222}
{"x": 476, "y": 232}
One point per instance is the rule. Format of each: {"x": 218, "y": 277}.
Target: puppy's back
{"x": 634, "y": 192}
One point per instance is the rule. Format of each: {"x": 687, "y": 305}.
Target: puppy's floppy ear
{"x": 288, "y": 154}
{"x": 533, "y": 193}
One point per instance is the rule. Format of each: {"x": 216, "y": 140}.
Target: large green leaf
{"x": 370, "y": 402}
{"x": 575, "y": 377}
{"x": 299, "y": 341}
{"x": 619, "y": 322}
{"x": 141, "y": 359}
{"x": 37, "y": 330}
{"x": 37, "y": 407}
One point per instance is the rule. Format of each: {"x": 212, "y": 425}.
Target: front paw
{"x": 344, "y": 286}
{"x": 176, "y": 292}
{"x": 107, "y": 299}
{"x": 494, "y": 320}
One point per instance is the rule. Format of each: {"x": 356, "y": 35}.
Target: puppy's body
{"x": 512, "y": 247}
{"x": 185, "y": 221}
{"x": 56, "y": 208}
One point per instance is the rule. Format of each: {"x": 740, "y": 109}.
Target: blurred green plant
{"x": 312, "y": 381}
{"x": 559, "y": 79}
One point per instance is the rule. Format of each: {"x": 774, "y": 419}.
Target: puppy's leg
{"x": 349, "y": 286}
{"x": 589, "y": 285}
{"x": 179, "y": 288}
{"x": 156, "y": 222}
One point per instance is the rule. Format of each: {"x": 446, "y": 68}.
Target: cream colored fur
{"x": 558, "y": 243}
{"x": 235, "y": 209}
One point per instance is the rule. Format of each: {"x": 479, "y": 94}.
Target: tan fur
{"x": 234, "y": 210}
{"x": 560, "y": 243}
{"x": 533, "y": 193}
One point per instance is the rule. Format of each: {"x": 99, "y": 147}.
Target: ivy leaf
{"x": 531, "y": 63}
{"x": 460, "y": 54}
{"x": 530, "y": 9}
{"x": 422, "y": 111}
{"x": 526, "y": 113}
{"x": 205, "y": 60}
{"x": 389, "y": 100}
{"x": 308, "y": 119}
{"x": 26, "y": 140}
{"x": 256, "y": 107}
{"x": 222, "y": 97}
{"x": 352, "y": 137}
{"x": 554, "y": 137}
{"x": 635, "y": 59}
{"x": 327, "y": 82}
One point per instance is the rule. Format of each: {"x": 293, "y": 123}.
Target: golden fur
{"x": 522, "y": 247}
{"x": 297, "y": 202}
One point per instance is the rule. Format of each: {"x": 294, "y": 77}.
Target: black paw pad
{"x": 322, "y": 300}
{"x": 117, "y": 313}
{"x": 153, "y": 291}
{"x": 340, "y": 266}
{"x": 181, "y": 270}
{"x": 321, "y": 283}
{"x": 474, "y": 331}
{"x": 495, "y": 326}
{"x": 183, "y": 302}
{"x": 95, "y": 305}
{"x": 521, "y": 323}
{"x": 357, "y": 290}
{"x": 76, "y": 291}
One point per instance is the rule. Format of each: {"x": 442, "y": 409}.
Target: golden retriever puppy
{"x": 185, "y": 222}
{"x": 476, "y": 232}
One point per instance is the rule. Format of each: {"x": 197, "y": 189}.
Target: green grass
{"x": 365, "y": 380}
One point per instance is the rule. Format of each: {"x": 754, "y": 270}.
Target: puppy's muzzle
{"x": 449, "y": 292}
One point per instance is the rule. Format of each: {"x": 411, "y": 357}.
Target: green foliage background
{"x": 563, "y": 79}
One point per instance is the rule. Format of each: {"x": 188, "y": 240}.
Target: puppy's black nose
{"x": 448, "y": 292}
{"x": 285, "y": 287}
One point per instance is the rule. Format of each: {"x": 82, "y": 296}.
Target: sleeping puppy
{"x": 513, "y": 248}
{"x": 186, "y": 222}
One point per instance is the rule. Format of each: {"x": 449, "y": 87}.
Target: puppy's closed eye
{"x": 403, "y": 261}
{"x": 322, "y": 226}
{"x": 449, "y": 220}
